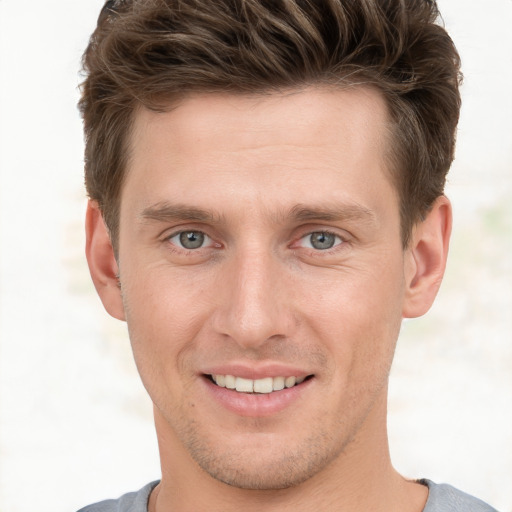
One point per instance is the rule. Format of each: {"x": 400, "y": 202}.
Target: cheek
{"x": 164, "y": 317}
{"x": 163, "y": 301}
{"x": 358, "y": 315}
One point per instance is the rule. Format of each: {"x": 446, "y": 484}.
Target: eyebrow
{"x": 166, "y": 212}
{"x": 334, "y": 213}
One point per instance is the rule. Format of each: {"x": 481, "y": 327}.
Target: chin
{"x": 270, "y": 476}
{"x": 271, "y": 467}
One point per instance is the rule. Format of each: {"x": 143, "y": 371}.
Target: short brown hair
{"x": 152, "y": 52}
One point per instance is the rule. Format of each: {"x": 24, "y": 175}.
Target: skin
{"x": 258, "y": 176}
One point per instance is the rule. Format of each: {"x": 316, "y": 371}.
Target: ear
{"x": 102, "y": 262}
{"x": 425, "y": 258}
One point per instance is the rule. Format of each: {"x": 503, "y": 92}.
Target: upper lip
{"x": 256, "y": 371}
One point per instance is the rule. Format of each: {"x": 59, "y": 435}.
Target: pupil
{"x": 191, "y": 239}
{"x": 322, "y": 240}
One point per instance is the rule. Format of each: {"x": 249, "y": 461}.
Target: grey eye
{"x": 321, "y": 240}
{"x": 190, "y": 239}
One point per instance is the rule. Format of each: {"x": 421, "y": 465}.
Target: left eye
{"x": 321, "y": 240}
{"x": 190, "y": 239}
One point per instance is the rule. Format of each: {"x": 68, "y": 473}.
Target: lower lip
{"x": 256, "y": 404}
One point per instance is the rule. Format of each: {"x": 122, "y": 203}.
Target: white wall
{"x": 75, "y": 425}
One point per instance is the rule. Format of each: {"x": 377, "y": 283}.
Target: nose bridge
{"x": 254, "y": 308}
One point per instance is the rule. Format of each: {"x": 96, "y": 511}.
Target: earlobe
{"x": 102, "y": 262}
{"x": 426, "y": 258}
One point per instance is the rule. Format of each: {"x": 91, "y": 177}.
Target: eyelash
{"x": 178, "y": 246}
{"x": 338, "y": 241}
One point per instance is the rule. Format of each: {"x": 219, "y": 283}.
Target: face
{"x": 260, "y": 250}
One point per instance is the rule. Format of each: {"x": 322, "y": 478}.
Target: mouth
{"x": 266, "y": 385}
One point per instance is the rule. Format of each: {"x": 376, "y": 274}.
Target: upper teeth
{"x": 266, "y": 385}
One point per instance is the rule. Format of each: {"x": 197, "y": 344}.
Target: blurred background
{"x": 75, "y": 423}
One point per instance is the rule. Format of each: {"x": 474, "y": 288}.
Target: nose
{"x": 254, "y": 300}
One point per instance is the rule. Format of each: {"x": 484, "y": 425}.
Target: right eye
{"x": 190, "y": 240}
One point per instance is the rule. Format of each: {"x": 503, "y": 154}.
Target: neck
{"x": 360, "y": 479}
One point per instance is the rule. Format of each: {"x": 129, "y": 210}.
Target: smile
{"x": 265, "y": 385}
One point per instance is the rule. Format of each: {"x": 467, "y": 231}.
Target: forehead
{"x": 356, "y": 112}
{"x": 254, "y": 146}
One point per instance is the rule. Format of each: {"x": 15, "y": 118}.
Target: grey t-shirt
{"x": 441, "y": 498}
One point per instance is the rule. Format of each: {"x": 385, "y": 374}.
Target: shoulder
{"x": 445, "y": 498}
{"x": 131, "y": 502}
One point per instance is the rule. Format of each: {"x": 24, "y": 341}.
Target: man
{"x": 266, "y": 205}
